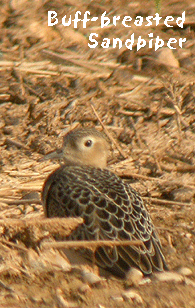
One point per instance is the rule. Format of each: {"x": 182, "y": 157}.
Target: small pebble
{"x": 117, "y": 298}
{"x": 145, "y": 281}
{"x": 185, "y": 271}
{"x": 132, "y": 296}
{"x": 134, "y": 276}
{"x": 168, "y": 276}
{"x": 167, "y": 57}
{"x": 91, "y": 278}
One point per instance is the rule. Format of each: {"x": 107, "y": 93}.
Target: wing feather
{"x": 111, "y": 210}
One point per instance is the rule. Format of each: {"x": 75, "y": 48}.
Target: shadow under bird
{"x": 111, "y": 209}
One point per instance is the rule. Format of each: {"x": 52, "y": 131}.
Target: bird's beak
{"x": 58, "y": 154}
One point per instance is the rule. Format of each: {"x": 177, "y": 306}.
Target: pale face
{"x": 89, "y": 150}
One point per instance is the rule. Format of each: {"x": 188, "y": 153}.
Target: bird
{"x": 111, "y": 209}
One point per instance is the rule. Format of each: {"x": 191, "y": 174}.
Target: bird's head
{"x": 85, "y": 146}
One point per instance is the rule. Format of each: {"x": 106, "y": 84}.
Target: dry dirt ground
{"x": 51, "y": 81}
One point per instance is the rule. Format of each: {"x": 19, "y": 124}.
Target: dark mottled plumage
{"x": 111, "y": 209}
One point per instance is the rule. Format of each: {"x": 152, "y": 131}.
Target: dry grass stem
{"x": 20, "y": 202}
{"x": 61, "y": 226}
{"x": 166, "y": 202}
{"x": 89, "y": 244}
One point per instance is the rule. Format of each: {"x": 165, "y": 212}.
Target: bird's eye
{"x": 88, "y": 143}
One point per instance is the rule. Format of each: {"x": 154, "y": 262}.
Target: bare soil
{"x": 51, "y": 82}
